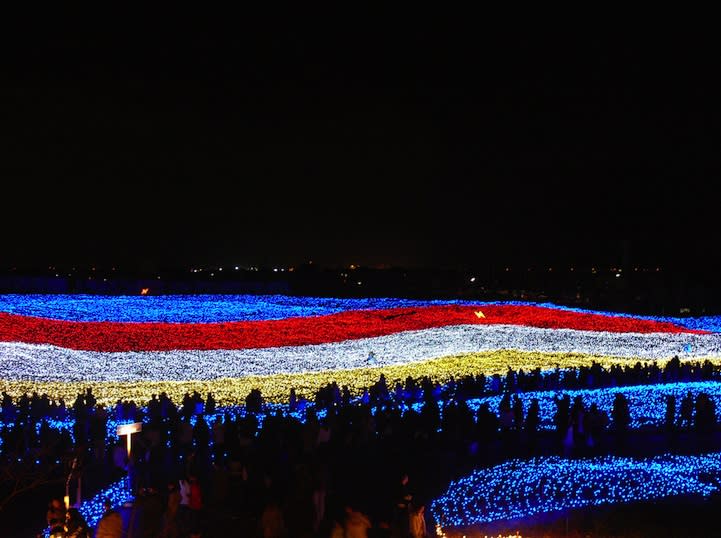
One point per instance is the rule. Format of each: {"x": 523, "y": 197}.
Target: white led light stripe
{"x": 19, "y": 361}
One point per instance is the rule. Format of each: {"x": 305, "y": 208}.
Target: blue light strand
{"x": 220, "y": 308}
{"x": 193, "y": 308}
{"x": 647, "y": 403}
{"x": 518, "y": 488}
{"x": 93, "y": 509}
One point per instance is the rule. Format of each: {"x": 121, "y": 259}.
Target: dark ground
{"x": 670, "y": 518}
{"x": 431, "y": 470}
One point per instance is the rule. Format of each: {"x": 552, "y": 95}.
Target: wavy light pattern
{"x": 518, "y": 489}
{"x": 20, "y": 361}
{"x": 220, "y": 308}
{"x": 115, "y": 336}
{"x": 276, "y": 388}
{"x": 194, "y": 308}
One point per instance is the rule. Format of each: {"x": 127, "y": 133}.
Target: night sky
{"x": 394, "y": 142}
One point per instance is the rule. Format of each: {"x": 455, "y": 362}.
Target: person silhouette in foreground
{"x": 110, "y": 524}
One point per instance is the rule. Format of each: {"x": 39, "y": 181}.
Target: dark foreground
{"x": 670, "y": 518}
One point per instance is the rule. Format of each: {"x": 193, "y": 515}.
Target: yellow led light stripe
{"x": 276, "y": 388}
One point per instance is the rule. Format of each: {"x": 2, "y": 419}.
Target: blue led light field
{"x": 518, "y": 489}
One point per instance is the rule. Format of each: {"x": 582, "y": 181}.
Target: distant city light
{"x": 236, "y": 267}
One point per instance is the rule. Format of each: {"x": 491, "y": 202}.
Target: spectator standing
{"x": 417, "y": 522}
{"x": 195, "y": 504}
{"x": 110, "y": 524}
{"x": 170, "y": 519}
{"x": 272, "y": 523}
{"x": 356, "y": 524}
{"x": 55, "y": 516}
{"x": 75, "y": 525}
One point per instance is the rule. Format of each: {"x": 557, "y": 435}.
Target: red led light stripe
{"x": 113, "y": 336}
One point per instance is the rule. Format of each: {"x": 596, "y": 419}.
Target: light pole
{"x": 129, "y": 429}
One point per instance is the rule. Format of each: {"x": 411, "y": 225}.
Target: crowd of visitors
{"x": 341, "y": 468}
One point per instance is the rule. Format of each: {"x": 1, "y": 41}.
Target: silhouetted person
{"x": 686, "y": 411}
{"x": 110, "y": 524}
{"x": 272, "y": 522}
{"x": 356, "y": 524}
{"x": 670, "y": 415}
{"x": 417, "y": 522}
{"x": 55, "y": 516}
{"x": 75, "y": 525}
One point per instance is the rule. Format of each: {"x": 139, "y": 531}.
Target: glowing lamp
{"x": 129, "y": 429}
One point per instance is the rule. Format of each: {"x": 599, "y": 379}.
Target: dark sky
{"x": 386, "y": 141}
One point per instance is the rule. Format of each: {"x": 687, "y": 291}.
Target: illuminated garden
{"x": 522, "y": 374}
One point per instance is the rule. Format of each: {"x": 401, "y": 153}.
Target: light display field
{"x": 135, "y": 346}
